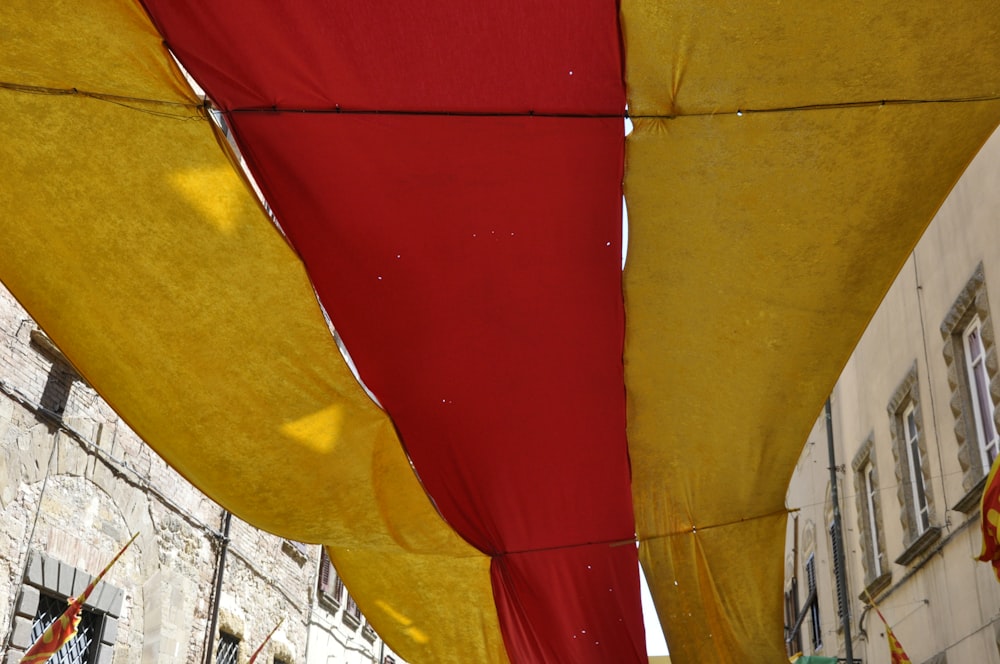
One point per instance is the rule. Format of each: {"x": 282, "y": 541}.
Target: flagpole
{"x": 838, "y": 543}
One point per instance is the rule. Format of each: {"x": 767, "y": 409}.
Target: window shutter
{"x": 841, "y": 599}
{"x": 352, "y": 607}
{"x": 324, "y": 574}
{"x": 338, "y": 587}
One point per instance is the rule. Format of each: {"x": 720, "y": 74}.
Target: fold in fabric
{"x": 134, "y": 244}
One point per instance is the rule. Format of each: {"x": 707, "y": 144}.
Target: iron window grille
{"x": 81, "y": 649}
{"x": 229, "y": 649}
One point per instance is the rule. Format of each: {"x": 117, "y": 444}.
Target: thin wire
{"x": 626, "y": 115}
{"x": 119, "y": 467}
{"x": 337, "y": 110}
{"x": 558, "y": 547}
{"x": 696, "y": 529}
{"x": 881, "y": 488}
{"x": 922, "y": 603}
{"x": 826, "y": 629}
{"x": 31, "y": 536}
{"x": 645, "y": 538}
{"x": 825, "y": 106}
{"x": 125, "y": 101}
{"x": 970, "y": 634}
{"x": 118, "y": 100}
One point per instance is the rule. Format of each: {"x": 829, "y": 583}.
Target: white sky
{"x": 655, "y": 643}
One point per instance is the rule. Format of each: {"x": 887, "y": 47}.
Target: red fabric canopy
{"x": 507, "y": 57}
{"x": 471, "y": 264}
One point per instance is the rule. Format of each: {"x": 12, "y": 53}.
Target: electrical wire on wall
{"x": 26, "y": 558}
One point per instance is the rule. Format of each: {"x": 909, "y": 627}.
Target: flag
{"x": 63, "y": 629}
{"x": 266, "y": 639}
{"x": 989, "y": 510}
{"x": 896, "y": 653}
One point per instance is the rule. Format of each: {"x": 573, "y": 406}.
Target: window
{"x": 43, "y": 598}
{"x": 871, "y": 499}
{"x": 874, "y": 532}
{"x": 969, "y": 352}
{"x": 909, "y": 452}
{"x": 838, "y": 583}
{"x": 229, "y": 649}
{"x": 82, "y": 648}
{"x": 330, "y": 586}
{"x": 59, "y": 382}
{"x": 978, "y": 385}
{"x": 295, "y": 549}
{"x": 817, "y": 633}
{"x": 352, "y": 607}
{"x": 916, "y": 468}
{"x": 352, "y": 613}
{"x": 338, "y": 586}
{"x": 793, "y": 635}
{"x": 869, "y": 504}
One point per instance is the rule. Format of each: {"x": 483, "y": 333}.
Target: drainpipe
{"x": 838, "y": 544}
{"x": 220, "y": 568}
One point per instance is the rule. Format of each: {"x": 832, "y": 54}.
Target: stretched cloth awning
{"x": 784, "y": 162}
{"x": 447, "y": 180}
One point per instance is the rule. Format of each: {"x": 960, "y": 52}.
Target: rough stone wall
{"x": 104, "y": 484}
{"x": 257, "y": 596}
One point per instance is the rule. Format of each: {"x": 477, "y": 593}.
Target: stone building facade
{"x": 915, "y": 432}
{"x": 76, "y": 483}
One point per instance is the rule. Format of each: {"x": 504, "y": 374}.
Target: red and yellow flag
{"x": 63, "y": 629}
{"x": 989, "y": 508}
{"x": 256, "y": 652}
{"x": 896, "y": 653}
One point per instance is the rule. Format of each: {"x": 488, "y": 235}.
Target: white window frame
{"x": 871, "y": 498}
{"x": 977, "y": 377}
{"x": 911, "y": 438}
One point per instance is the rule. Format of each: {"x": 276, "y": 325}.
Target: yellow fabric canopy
{"x": 770, "y": 208}
{"x": 159, "y": 307}
{"x": 772, "y": 198}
